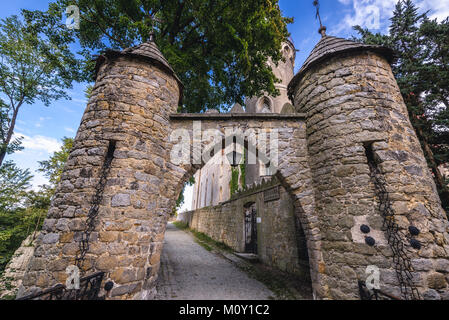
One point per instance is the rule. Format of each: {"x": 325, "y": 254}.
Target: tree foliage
{"x": 36, "y": 64}
{"x": 53, "y": 167}
{"x": 181, "y": 199}
{"x": 421, "y": 68}
{"x": 14, "y": 183}
{"x": 219, "y": 48}
{"x": 22, "y": 210}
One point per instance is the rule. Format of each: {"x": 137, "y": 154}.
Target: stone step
{"x": 247, "y": 256}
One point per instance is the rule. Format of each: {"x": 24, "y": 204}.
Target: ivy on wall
{"x": 238, "y": 176}
{"x": 234, "y": 183}
{"x": 243, "y": 171}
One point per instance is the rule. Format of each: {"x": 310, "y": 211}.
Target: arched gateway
{"x": 349, "y": 157}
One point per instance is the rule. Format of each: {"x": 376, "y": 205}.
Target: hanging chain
{"x": 400, "y": 258}
{"x": 93, "y": 212}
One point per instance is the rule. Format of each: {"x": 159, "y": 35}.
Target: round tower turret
{"x": 368, "y": 169}
{"x": 104, "y": 216}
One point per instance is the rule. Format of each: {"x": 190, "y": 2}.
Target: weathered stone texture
{"x": 353, "y": 100}
{"x": 11, "y": 279}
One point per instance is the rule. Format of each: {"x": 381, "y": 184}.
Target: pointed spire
{"x": 322, "y": 29}
{"x": 237, "y": 108}
{"x": 147, "y": 51}
{"x": 151, "y": 39}
{"x": 330, "y": 46}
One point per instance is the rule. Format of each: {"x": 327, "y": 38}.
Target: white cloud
{"x": 69, "y": 130}
{"x": 375, "y": 14}
{"x": 38, "y": 180}
{"x": 439, "y": 9}
{"x": 38, "y": 142}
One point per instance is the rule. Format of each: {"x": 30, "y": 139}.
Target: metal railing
{"x": 374, "y": 294}
{"x": 90, "y": 287}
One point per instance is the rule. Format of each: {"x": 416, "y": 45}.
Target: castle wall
{"x": 284, "y": 71}
{"x": 353, "y": 105}
{"x": 293, "y": 169}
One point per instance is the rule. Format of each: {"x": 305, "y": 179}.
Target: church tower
{"x": 212, "y": 182}
{"x": 284, "y": 71}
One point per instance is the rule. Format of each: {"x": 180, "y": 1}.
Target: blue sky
{"x": 44, "y": 127}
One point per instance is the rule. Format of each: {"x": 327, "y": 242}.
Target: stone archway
{"x": 132, "y": 108}
{"x": 293, "y": 169}
{"x": 125, "y": 136}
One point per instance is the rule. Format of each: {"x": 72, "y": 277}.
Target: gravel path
{"x": 190, "y": 272}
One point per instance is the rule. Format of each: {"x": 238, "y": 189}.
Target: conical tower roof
{"x": 150, "y": 51}
{"x": 329, "y": 47}
{"x": 147, "y": 51}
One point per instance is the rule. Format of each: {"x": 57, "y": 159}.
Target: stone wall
{"x": 280, "y": 237}
{"x": 293, "y": 169}
{"x": 353, "y": 104}
{"x": 11, "y": 279}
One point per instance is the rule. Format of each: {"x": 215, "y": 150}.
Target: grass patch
{"x": 203, "y": 239}
{"x": 285, "y": 286}
{"x": 180, "y": 225}
{"x": 204, "y": 245}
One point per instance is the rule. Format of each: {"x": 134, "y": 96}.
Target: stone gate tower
{"x": 349, "y": 158}
{"x": 125, "y": 126}
{"x": 369, "y": 170}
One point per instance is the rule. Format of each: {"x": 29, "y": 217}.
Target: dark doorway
{"x": 251, "y": 229}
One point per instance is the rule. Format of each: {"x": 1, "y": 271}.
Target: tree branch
{"x": 97, "y": 23}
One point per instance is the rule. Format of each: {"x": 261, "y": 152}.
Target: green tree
{"x": 36, "y": 64}
{"x": 53, "y": 167}
{"x": 15, "y": 219}
{"x": 22, "y": 210}
{"x": 14, "y": 183}
{"x": 421, "y": 68}
{"x": 219, "y": 48}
